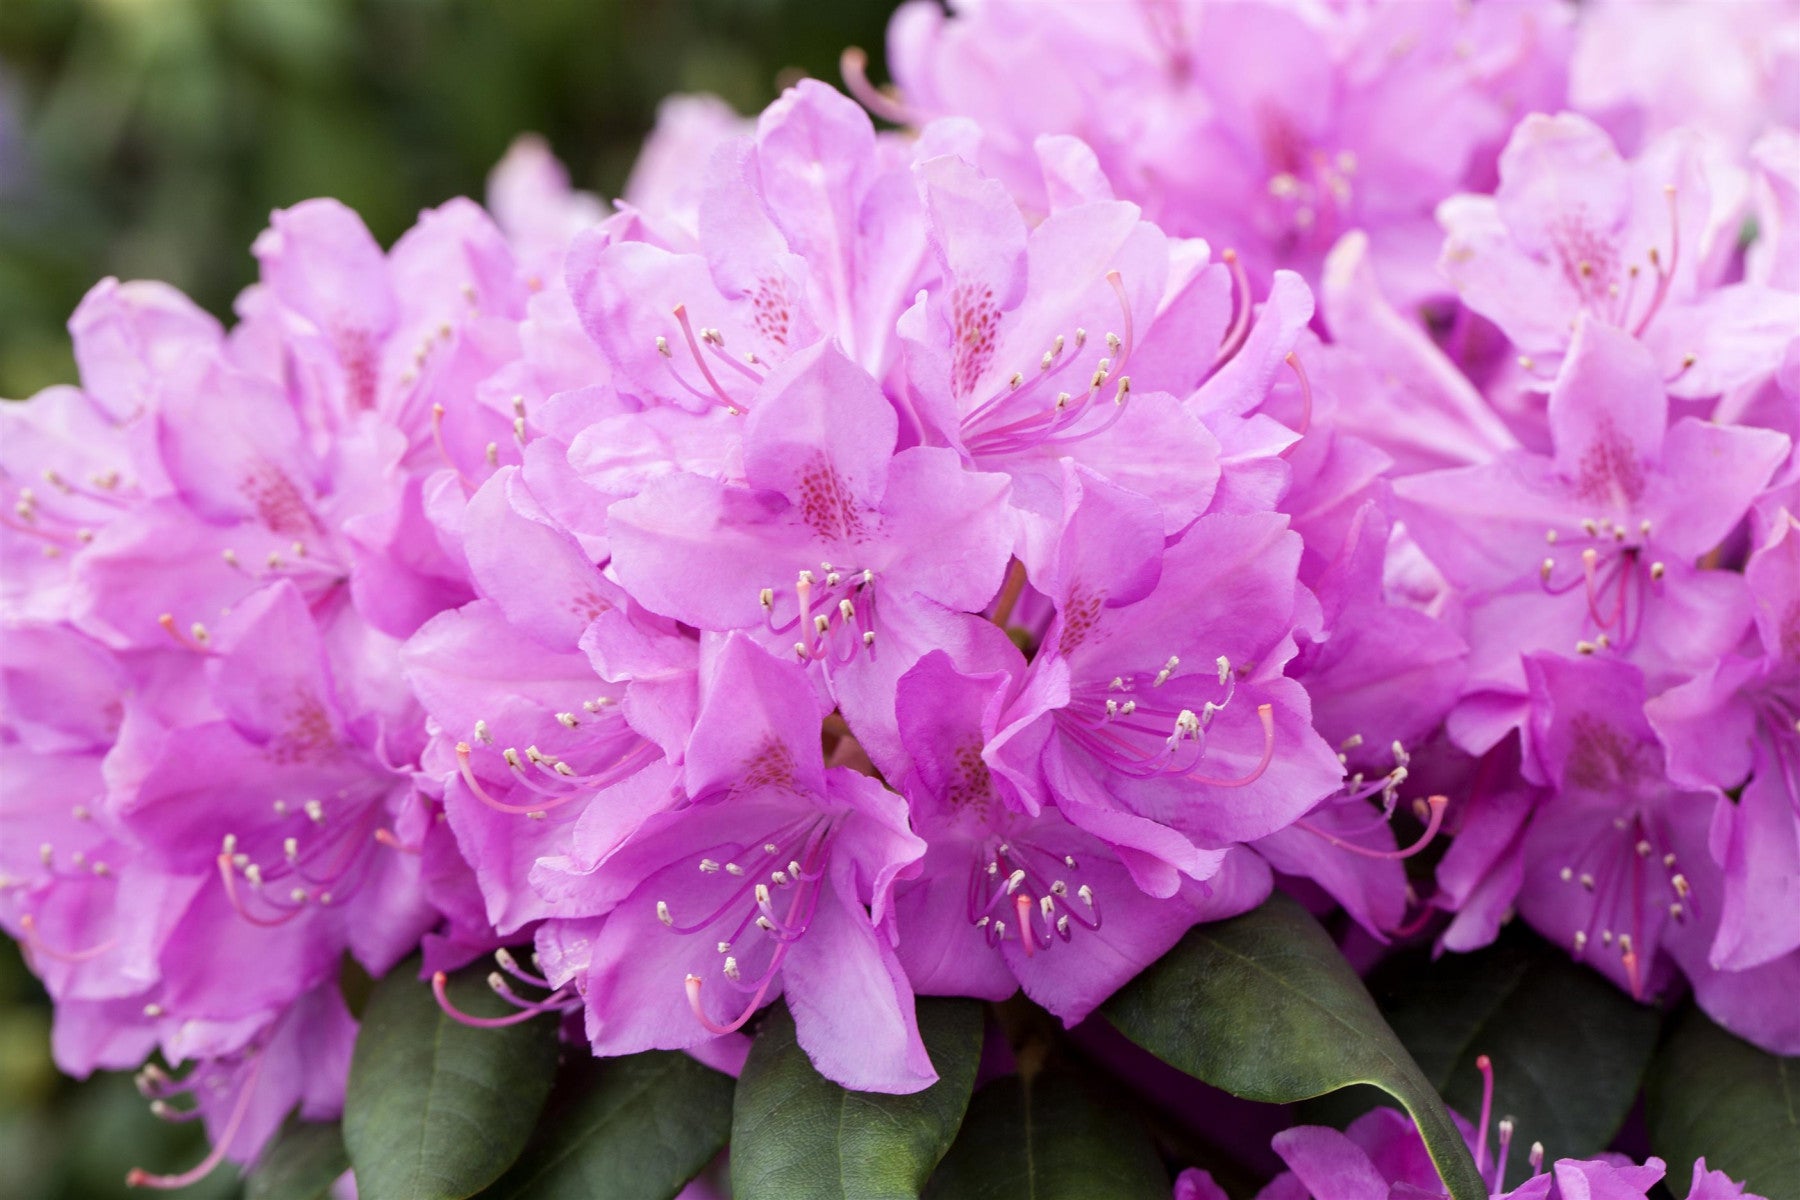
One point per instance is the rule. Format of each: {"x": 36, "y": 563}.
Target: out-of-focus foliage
{"x": 151, "y": 138}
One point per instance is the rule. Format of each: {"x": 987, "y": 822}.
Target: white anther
{"x": 762, "y": 893}
{"x": 229, "y": 846}
{"x": 1047, "y": 906}
{"x": 662, "y": 912}
{"x": 1224, "y": 669}
{"x": 662, "y": 346}
{"x": 1113, "y": 342}
{"x": 101, "y": 869}
{"x": 253, "y": 873}
{"x": 1587, "y": 881}
{"x": 1112, "y": 709}
{"x": 290, "y": 848}
{"x": 724, "y": 947}
{"x": 709, "y": 866}
{"x": 731, "y": 969}
{"x": 1566, "y": 874}
{"x": 1668, "y": 860}
{"x": 1059, "y": 888}
{"x": 733, "y": 869}
{"x": 1168, "y": 669}
{"x": 766, "y": 597}
{"x": 1187, "y": 724}
{"x": 766, "y": 925}
{"x": 1087, "y": 895}
{"x": 153, "y": 1010}
{"x": 1545, "y": 568}
{"x": 869, "y": 637}
{"x": 1581, "y": 940}
{"x": 492, "y": 454}
{"x": 482, "y": 733}
{"x": 1014, "y": 880}
{"x": 1656, "y": 570}
{"x": 793, "y": 868}
{"x": 1017, "y": 379}
{"x": 569, "y": 719}
{"x": 1550, "y": 536}
{"x": 298, "y": 895}
{"x": 315, "y": 812}
{"x": 1062, "y": 925}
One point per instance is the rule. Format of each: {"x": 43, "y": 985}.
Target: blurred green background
{"x": 150, "y": 139}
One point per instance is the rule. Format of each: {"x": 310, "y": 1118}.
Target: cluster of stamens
{"x": 704, "y": 349}
{"x": 559, "y": 1000}
{"x": 1648, "y": 867}
{"x": 771, "y": 897}
{"x": 1022, "y": 892}
{"x": 1021, "y": 416}
{"x": 1617, "y": 579}
{"x": 834, "y": 613}
{"x": 1143, "y": 731}
{"x": 549, "y": 781}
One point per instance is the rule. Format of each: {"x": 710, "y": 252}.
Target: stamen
{"x": 138, "y": 1177}
{"x": 853, "y": 64}
{"x": 1266, "y": 714}
{"x": 438, "y": 981}
{"x": 1486, "y": 1067}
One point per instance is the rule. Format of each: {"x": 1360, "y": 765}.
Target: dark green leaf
{"x": 302, "y": 1164}
{"x": 1049, "y": 1139}
{"x": 1264, "y": 1006}
{"x": 635, "y": 1128}
{"x": 1710, "y": 1095}
{"x": 795, "y": 1135}
{"x": 1568, "y": 1048}
{"x": 436, "y": 1110}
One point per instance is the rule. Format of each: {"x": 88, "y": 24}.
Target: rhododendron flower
{"x": 1593, "y": 550}
{"x": 1574, "y": 229}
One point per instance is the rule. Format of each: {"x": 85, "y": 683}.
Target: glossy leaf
{"x": 437, "y": 1110}
{"x": 1050, "y": 1138}
{"x": 795, "y": 1135}
{"x": 301, "y": 1164}
{"x": 634, "y": 1128}
{"x": 1710, "y": 1095}
{"x": 1264, "y": 1006}
{"x": 1568, "y": 1048}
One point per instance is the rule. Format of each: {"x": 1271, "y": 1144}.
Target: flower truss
{"x": 954, "y": 560}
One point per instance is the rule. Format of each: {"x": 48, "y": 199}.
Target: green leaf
{"x": 436, "y": 1110}
{"x": 1711, "y": 1095}
{"x": 302, "y": 1164}
{"x": 795, "y": 1135}
{"x": 635, "y": 1128}
{"x": 1568, "y": 1048}
{"x": 1049, "y": 1138}
{"x": 1264, "y": 1006}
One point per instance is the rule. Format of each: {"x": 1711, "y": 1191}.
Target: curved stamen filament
{"x": 1306, "y": 399}
{"x": 229, "y": 876}
{"x": 687, "y": 331}
{"x": 1486, "y": 1067}
{"x": 853, "y": 64}
{"x": 439, "y": 980}
{"x": 1433, "y": 823}
{"x": 138, "y": 1177}
{"x": 36, "y": 944}
{"x": 1266, "y": 714}
{"x": 467, "y": 770}
{"x": 1239, "y": 329}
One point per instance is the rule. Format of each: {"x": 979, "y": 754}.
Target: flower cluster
{"x": 950, "y": 561}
